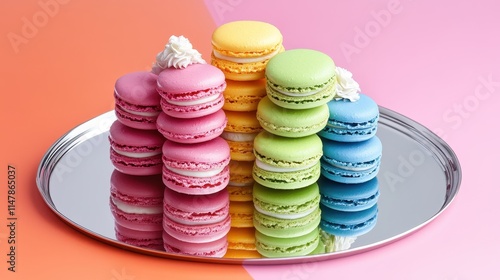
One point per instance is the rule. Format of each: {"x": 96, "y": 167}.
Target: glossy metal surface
{"x": 419, "y": 177}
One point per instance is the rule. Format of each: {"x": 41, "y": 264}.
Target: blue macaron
{"x": 351, "y": 121}
{"x": 351, "y": 162}
{"x": 343, "y": 223}
{"x": 348, "y": 197}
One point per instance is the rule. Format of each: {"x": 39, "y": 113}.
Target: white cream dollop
{"x": 178, "y": 53}
{"x": 347, "y": 87}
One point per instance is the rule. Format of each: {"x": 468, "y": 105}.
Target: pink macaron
{"x": 149, "y": 239}
{"x": 199, "y": 168}
{"x": 192, "y": 130}
{"x": 197, "y": 233}
{"x": 196, "y": 209}
{"x": 137, "y": 102}
{"x": 191, "y": 92}
{"x": 215, "y": 249}
{"x": 135, "y": 151}
{"x": 137, "y": 201}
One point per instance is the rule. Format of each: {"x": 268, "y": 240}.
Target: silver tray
{"x": 419, "y": 177}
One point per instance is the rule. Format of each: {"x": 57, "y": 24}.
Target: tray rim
{"x": 441, "y": 151}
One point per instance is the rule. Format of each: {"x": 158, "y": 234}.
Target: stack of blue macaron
{"x": 349, "y": 166}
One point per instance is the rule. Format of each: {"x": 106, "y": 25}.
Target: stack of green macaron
{"x": 241, "y": 49}
{"x": 350, "y": 163}
{"x": 286, "y": 198}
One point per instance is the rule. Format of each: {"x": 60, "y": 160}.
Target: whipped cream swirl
{"x": 347, "y": 87}
{"x": 178, "y": 53}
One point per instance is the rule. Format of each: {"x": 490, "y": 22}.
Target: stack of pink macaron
{"x": 136, "y": 187}
{"x": 195, "y": 158}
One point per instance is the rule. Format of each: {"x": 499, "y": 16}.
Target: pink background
{"x": 427, "y": 60}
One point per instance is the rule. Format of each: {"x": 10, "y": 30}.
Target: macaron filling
{"x": 193, "y": 102}
{"x": 238, "y": 136}
{"x": 327, "y": 200}
{"x": 274, "y": 168}
{"x": 140, "y": 113}
{"x": 301, "y": 91}
{"x": 134, "y": 209}
{"x": 289, "y": 212}
{"x": 196, "y": 173}
{"x": 196, "y": 218}
{"x": 349, "y": 166}
{"x": 136, "y": 154}
{"x": 244, "y": 60}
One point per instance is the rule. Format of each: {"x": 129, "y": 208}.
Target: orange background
{"x": 58, "y": 66}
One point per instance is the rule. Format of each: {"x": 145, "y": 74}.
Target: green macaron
{"x": 286, "y": 204}
{"x": 300, "y": 79}
{"x": 284, "y": 228}
{"x": 286, "y": 163}
{"x": 273, "y": 247}
{"x": 291, "y": 122}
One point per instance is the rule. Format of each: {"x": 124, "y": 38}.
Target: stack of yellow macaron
{"x": 241, "y": 49}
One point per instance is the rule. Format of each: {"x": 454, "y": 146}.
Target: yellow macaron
{"x": 240, "y": 131}
{"x": 243, "y": 95}
{"x": 241, "y": 49}
{"x": 241, "y": 213}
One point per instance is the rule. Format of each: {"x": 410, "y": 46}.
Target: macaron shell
{"x": 192, "y": 111}
{"x": 291, "y": 122}
{"x": 246, "y": 38}
{"x": 286, "y": 228}
{"x": 352, "y": 121}
{"x": 192, "y": 130}
{"x": 286, "y": 202}
{"x": 241, "y": 151}
{"x": 300, "y": 70}
{"x": 241, "y": 213}
{"x": 136, "y": 166}
{"x": 195, "y": 185}
{"x": 140, "y": 238}
{"x": 342, "y": 223}
{"x": 351, "y": 162}
{"x": 216, "y": 248}
{"x": 241, "y": 238}
{"x": 348, "y": 197}
{"x": 242, "y": 122}
{"x": 239, "y": 193}
{"x": 273, "y": 247}
{"x": 196, "y": 209}
{"x": 138, "y": 89}
{"x": 243, "y": 95}
{"x": 197, "y": 233}
{"x": 240, "y": 173}
{"x": 207, "y": 155}
{"x": 190, "y": 83}
{"x": 136, "y": 120}
{"x": 135, "y": 190}
{"x": 319, "y": 98}
{"x": 144, "y": 222}
{"x": 287, "y": 152}
{"x": 135, "y": 95}
{"x": 128, "y": 139}
{"x": 287, "y": 180}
